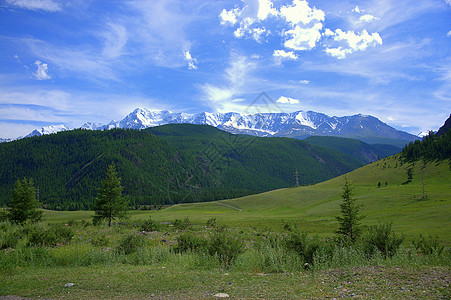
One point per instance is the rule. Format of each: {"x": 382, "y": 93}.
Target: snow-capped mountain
{"x": 299, "y": 124}
{"x": 48, "y": 130}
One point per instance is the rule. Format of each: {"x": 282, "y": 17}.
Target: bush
{"x": 381, "y": 238}
{"x": 428, "y": 246}
{"x": 226, "y": 247}
{"x": 150, "y": 225}
{"x": 130, "y": 244}
{"x": 100, "y": 240}
{"x": 182, "y": 224}
{"x": 211, "y": 223}
{"x": 50, "y": 236}
{"x": 304, "y": 246}
{"x": 189, "y": 242}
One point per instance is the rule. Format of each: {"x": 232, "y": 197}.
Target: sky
{"x": 71, "y": 62}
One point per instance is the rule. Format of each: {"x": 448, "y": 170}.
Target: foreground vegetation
{"x": 138, "y": 259}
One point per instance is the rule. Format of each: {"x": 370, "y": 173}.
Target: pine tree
{"x": 110, "y": 204}
{"x": 349, "y": 220}
{"x": 23, "y": 204}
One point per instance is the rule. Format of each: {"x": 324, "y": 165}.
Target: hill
{"x": 315, "y": 207}
{"x": 162, "y": 165}
{"x": 363, "y": 152}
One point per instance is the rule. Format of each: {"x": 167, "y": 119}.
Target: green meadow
{"x": 315, "y": 207}
{"x": 275, "y": 245}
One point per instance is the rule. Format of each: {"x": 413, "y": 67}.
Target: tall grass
{"x": 207, "y": 249}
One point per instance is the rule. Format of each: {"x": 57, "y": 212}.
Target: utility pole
{"x": 297, "y": 177}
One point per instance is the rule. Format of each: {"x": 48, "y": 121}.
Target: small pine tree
{"x": 23, "y": 205}
{"x": 349, "y": 220}
{"x": 109, "y": 201}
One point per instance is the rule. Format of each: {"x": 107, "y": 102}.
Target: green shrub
{"x": 304, "y": 246}
{"x": 100, "y": 240}
{"x": 381, "y": 238}
{"x": 48, "y": 236}
{"x": 149, "y": 225}
{"x": 427, "y": 246}
{"x": 130, "y": 244}
{"x": 189, "y": 242}
{"x": 211, "y": 223}
{"x": 182, "y": 224}
{"x": 225, "y": 246}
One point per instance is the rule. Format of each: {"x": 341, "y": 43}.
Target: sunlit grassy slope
{"x": 315, "y": 207}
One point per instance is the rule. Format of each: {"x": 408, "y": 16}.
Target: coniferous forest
{"x": 162, "y": 165}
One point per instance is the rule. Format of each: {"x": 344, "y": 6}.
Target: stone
{"x": 70, "y": 284}
{"x": 222, "y": 295}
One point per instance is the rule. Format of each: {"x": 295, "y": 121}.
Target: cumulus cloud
{"x": 349, "y": 42}
{"x": 303, "y": 38}
{"x": 287, "y": 100}
{"x": 449, "y": 32}
{"x": 301, "y": 12}
{"x": 229, "y": 16}
{"x": 284, "y": 54}
{"x": 41, "y": 72}
{"x": 191, "y": 61}
{"x": 266, "y": 9}
{"x": 46, "y": 5}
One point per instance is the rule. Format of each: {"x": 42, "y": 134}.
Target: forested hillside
{"x": 163, "y": 165}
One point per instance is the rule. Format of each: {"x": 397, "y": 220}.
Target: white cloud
{"x": 356, "y": 9}
{"x": 349, "y": 42}
{"x": 115, "y": 40}
{"x": 285, "y": 54}
{"x": 191, "y": 61}
{"x": 448, "y": 1}
{"x": 367, "y": 18}
{"x": 47, "y": 5}
{"x": 265, "y": 9}
{"x": 303, "y": 38}
{"x": 304, "y": 82}
{"x": 449, "y": 32}
{"x": 229, "y": 16}
{"x": 223, "y": 97}
{"x": 41, "y": 72}
{"x": 287, "y": 100}
{"x": 301, "y": 12}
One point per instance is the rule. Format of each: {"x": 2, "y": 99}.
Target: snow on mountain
{"x": 299, "y": 124}
{"x": 48, "y": 130}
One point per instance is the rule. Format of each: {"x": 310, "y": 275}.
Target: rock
{"x": 222, "y": 295}
{"x": 70, "y": 284}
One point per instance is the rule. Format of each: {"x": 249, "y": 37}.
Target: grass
{"x": 94, "y": 262}
{"x": 315, "y": 207}
{"x": 106, "y": 282}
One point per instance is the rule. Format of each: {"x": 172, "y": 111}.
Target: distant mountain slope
{"x": 168, "y": 164}
{"x": 356, "y": 149}
{"x": 444, "y": 129}
{"x": 299, "y": 124}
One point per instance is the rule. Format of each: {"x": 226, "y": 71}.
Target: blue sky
{"x": 70, "y": 62}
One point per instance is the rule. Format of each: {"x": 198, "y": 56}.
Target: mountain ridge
{"x": 299, "y": 125}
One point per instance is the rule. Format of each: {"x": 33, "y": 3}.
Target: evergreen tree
{"x": 349, "y": 220}
{"x": 23, "y": 204}
{"x": 109, "y": 201}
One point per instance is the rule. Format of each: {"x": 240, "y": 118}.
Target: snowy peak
{"x": 48, "y": 130}
{"x": 299, "y": 124}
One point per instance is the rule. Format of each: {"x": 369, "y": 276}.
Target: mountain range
{"x": 299, "y": 125}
